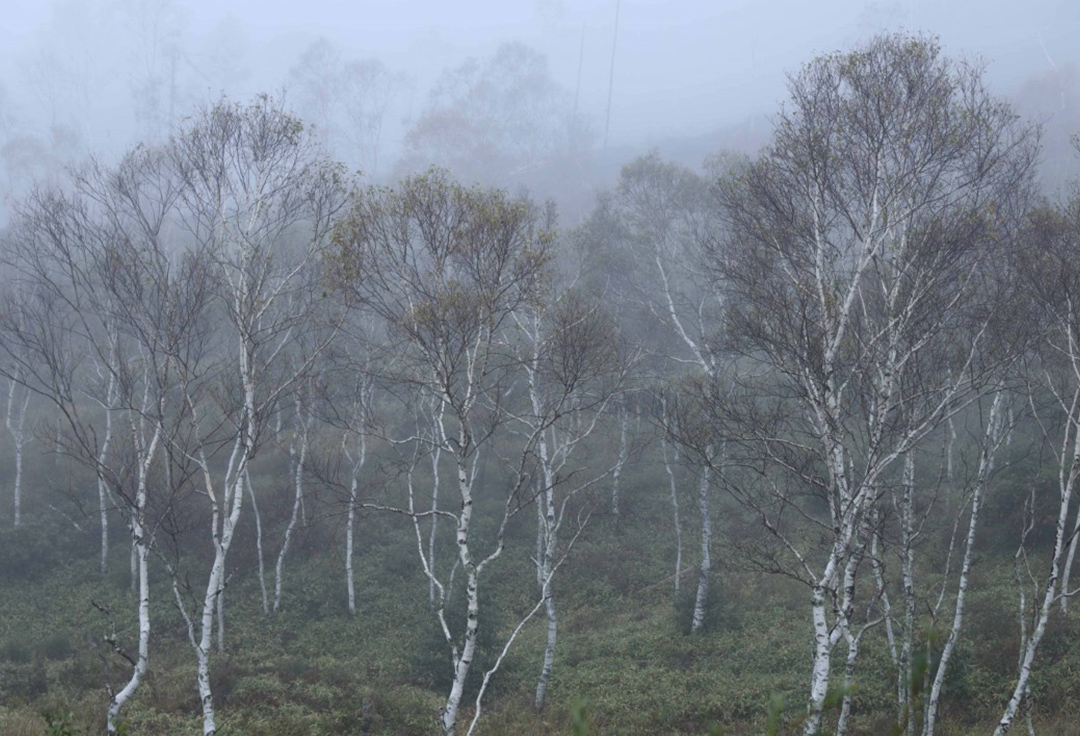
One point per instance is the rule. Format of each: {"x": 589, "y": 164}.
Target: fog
{"x": 81, "y": 77}
{"x": 786, "y": 286}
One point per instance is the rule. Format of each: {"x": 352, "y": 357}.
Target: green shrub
{"x": 16, "y": 652}
{"x": 716, "y": 607}
{"x": 431, "y": 661}
{"x": 58, "y": 646}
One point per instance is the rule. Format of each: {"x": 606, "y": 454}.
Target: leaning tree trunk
{"x": 991, "y": 440}
{"x": 117, "y": 701}
{"x": 258, "y": 544}
{"x": 302, "y": 427}
{"x": 1070, "y": 468}
{"x": 141, "y": 545}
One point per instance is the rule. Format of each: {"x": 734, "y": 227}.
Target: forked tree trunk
{"x": 462, "y": 660}
{"x": 141, "y": 549}
{"x": 143, "y": 658}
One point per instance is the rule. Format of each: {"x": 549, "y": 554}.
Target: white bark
{"x": 103, "y": 456}
{"x": 991, "y": 441}
{"x": 674, "y": 497}
{"x": 849, "y": 682}
{"x": 15, "y": 420}
{"x": 146, "y": 449}
{"x": 356, "y": 461}
{"x": 1067, "y": 572}
{"x": 545, "y": 562}
{"x": 462, "y": 660}
{"x": 258, "y": 543}
{"x": 439, "y": 433}
{"x": 303, "y": 427}
{"x": 819, "y": 679}
{"x": 904, "y": 670}
{"x": 134, "y": 565}
{"x": 354, "y": 480}
{"x": 616, "y": 473}
{"x": 1069, "y": 469}
{"x": 545, "y": 591}
{"x": 118, "y": 700}
{"x": 705, "y": 569}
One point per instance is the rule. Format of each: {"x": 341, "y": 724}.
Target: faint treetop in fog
{"x": 346, "y": 99}
{"x": 491, "y": 120}
{"x": 1052, "y": 99}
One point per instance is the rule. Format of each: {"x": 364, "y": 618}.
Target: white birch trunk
{"x": 143, "y": 659}
{"x": 904, "y": 670}
{"x": 214, "y": 588}
{"x": 991, "y": 440}
{"x": 224, "y": 516}
{"x": 103, "y": 489}
{"x": 15, "y": 425}
{"x": 436, "y": 457}
{"x": 849, "y": 681}
{"x": 258, "y": 544}
{"x": 819, "y": 679}
{"x": 221, "y": 620}
{"x": 545, "y": 563}
{"x": 616, "y": 473}
{"x": 141, "y": 549}
{"x": 674, "y": 509}
{"x": 134, "y": 562}
{"x": 463, "y": 660}
{"x": 302, "y": 425}
{"x": 1070, "y": 469}
{"x": 357, "y": 464}
{"x": 350, "y": 584}
{"x": 705, "y": 570}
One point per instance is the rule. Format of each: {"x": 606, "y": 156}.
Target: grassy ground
{"x": 623, "y": 659}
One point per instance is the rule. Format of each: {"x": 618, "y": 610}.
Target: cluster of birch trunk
{"x": 807, "y": 331}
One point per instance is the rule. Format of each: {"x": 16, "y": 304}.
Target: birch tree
{"x": 445, "y": 267}
{"x": 853, "y": 263}
{"x": 259, "y": 197}
{"x": 668, "y": 218}
{"x": 1050, "y": 276}
{"x": 571, "y": 362}
{"x": 303, "y": 418}
{"x": 104, "y": 287}
{"x": 18, "y": 401}
{"x": 996, "y": 428}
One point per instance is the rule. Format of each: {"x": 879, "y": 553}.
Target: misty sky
{"x": 682, "y": 67}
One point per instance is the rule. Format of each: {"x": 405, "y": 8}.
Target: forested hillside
{"x": 787, "y": 442}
